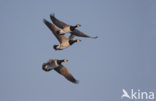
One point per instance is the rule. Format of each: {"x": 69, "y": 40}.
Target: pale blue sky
{"x": 124, "y": 55}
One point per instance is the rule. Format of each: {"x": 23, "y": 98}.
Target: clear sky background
{"x": 124, "y": 55}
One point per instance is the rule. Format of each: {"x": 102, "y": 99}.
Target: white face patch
{"x": 78, "y": 25}
{"x": 46, "y": 67}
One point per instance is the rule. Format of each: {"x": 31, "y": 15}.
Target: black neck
{"x": 72, "y": 28}
{"x": 60, "y": 61}
{"x": 72, "y": 42}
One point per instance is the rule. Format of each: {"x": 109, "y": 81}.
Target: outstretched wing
{"x": 61, "y": 24}
{"x": 81, "y": 34}
{"x": 65, "y": 72}
{"x": 57, "y": 22}
{"x": 54, "y": 29}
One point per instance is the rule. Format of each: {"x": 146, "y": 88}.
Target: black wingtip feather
{"x": 52, "y": 16}
{"x": 47, "y": 23}
{"x": 72, "y": 79}
{"x": 76, "y": 82}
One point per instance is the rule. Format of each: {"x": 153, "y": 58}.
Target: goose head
{"x": 78, "y": 25}
{"x": 46, "y": 68}
{"x": 65, "y": 60}
{"x": 78, "y": 40}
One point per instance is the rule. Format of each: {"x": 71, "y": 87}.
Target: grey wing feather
{"x": 65, "y": 72}
{"x": 57, "y": 22}
{"x": 54, "y": 29}
{"x": 81, "y": 34}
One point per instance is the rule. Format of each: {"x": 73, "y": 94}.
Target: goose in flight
{"x": 58, "y": 67}
{"x": 63, "y": 40}
{"x": 68, "y": 28}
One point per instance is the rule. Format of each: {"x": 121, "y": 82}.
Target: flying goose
{"x": 58, "y": 67}
{"x": 63, "y": 40}
{"x": 68, "y": 28}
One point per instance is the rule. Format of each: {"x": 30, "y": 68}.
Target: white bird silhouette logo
{"x": 125, "y": 94}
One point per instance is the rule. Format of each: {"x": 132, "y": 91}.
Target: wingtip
{"x": 44, "y": 20}
{"x": 73, "y": 80}
{"x": 76, "y": 82}
{"x": 95, "y": 37}
{"x": 52, "y": 15}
